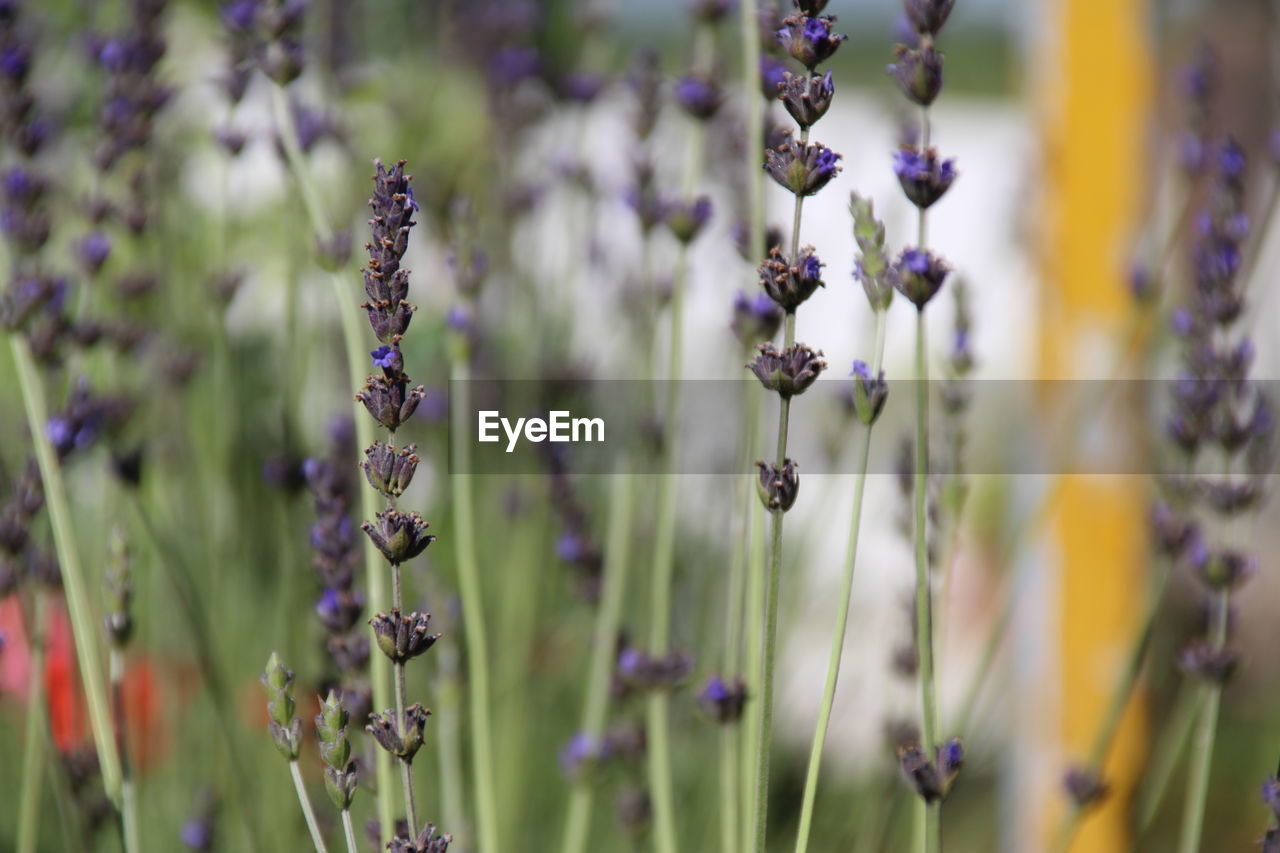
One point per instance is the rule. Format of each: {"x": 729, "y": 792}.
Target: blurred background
{"x": 197, "y": 347}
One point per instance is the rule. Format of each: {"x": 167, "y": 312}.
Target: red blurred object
{"x": 141, "y": 695}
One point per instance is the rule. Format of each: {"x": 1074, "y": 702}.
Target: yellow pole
{"x": 1096, "y": 97}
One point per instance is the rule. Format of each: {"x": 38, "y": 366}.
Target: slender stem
{"x": 924, "y": 602}
{"x": 128, "y": 798}
{"x": 410, "y": 801}
{"x": 1202, "y": 747}
{"x": 84, "y": 627}
{"x": 766, "y": 687}
{"x": 608, "y": 618}
{"x": 33, "y": 740}
{"x": 307, "y": 812}
{"x": 749, "y": 29}
{"x": 448, "y": 713}
{"x": 349, "y": 832}
{"x": 731, "y": 741}
{"x": 1119, "y": 699}
{"x": 658, "y": 750}
{"x": 657, "y": 705}
{"x": 729, "y": 821}
{"x": 379, "y": 669}
{"x": 765, "y": 734}
{"x": 1168, "y": 751}
{"x": 842, "y": 618}
{"x": 754, "y": 643}
{"x": 473, "y": 607}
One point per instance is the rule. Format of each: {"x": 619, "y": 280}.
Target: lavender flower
{"x": 919, "y": 275}
{"x": 686, "y": 219}
{"x": 869, "y": 392}
{"x": 923, "y": 176}
{"x": 722, "y": 701}
{"x": 699, "y": 96}
{"x": 773, "y": 75}
{"x": 809, "y": 40}
{"x": 803, "y": 168}
{"x": 426, "y": 841}
{"x": 807, "y": 97}
{"x": 755, "y": 319}
{"x": 789, "y": 372}
{"x": 791, "y": 284}
{"x": 778, "y": 489}
{"x": 928, "y": 16}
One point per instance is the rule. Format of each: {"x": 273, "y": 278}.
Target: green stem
{"x": 379, "y": 669}
{"x": 1119, "y": 700}
{"x": 608, "y": 618}
{"x": 473, "y": 607}
{"x": 128, "y": 798}
{"x": 659, "y": 758}
{"x": 754, "y": 535}
{"x": 349, "y": 832}
{"x": 842, "y": 618}
{"x": 83, "y": 626}
{"x": 33, "y": 740}
{"x": 1168, "y": 751}
{"x": 731, "y": 805}
{"x": 1202, "y": 747}
{"x": 307, "y": 812}
{"x": 765, "y": 734}
{"x": 924, "y": 598}
{"x": 448, "y": 713}
{"x": 749, "y": 30}
{"x": 657, "y": 706}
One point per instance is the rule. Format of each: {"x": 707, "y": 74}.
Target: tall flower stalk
{"x": 1215, "y": 407}
{"x": 918, "y": 274}
{"x": 473, "y": 617}
{"x": 286, "y": 734}
{"x": 803, "y": 169}
{"x": 869, "y": 395}
{"x": 390, "y": 401}
{"x": 282, "y": 63}
{"x": 698, "y": 94}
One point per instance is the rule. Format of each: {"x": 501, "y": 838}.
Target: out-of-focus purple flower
{"x": 773, "y": 74}
{"x": 1271, "y": 795}
{"x": 699, "y": 96}
{"x": 686, "y": 219}
{"x": 928, "y": 16}
{"x": 197, "y": 834}
{"x": 239, "y": 14}
{"x": 580, "y": 751}
{"x": 581, "y": 86}
{"x": 1231, "y": 161}
{"x": 721, "y": 701}
{"x": 711, "y": 11}
{"x": 569, "y": 547}
{"x": 918, "y": 72}
{"x": 869, "y": 392}
{"x": 513, "y": 65}
{"x": 15, "y": 62}
{"x": 755, "y": 320}
{"x": 94, "y": 250}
